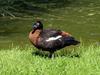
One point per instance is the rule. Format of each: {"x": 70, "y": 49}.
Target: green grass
{"x": 16, "y": 61}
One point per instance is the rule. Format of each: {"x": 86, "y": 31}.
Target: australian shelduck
{"x": 50, "y": 39}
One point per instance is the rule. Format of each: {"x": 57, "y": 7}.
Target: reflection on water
{"x": 17, "y": 39}
{"x": 13, "y": 31}
{"x": 95, "y": 34}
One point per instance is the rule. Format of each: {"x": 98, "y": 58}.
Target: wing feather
{"x": 50, "y": 33}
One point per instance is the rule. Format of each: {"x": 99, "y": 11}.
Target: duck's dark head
{"x": 37, "y": 25}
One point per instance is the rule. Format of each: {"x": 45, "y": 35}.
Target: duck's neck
{"x": 34, "y": 36}
{"x": 36, "y": 31}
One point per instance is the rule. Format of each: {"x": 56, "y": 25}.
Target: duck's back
{"x": 46, "y": 33}
{"x": 51, "y": 39}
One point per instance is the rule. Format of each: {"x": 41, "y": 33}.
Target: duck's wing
{"x": 50, "y": 33}
{"x": 56, "y": 43}
{"x": 51, "y": 38}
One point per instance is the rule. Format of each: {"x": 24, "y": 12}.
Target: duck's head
{"x": 37, "y": 25}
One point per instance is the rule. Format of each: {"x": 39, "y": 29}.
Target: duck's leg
{"x": 51, "y": 55}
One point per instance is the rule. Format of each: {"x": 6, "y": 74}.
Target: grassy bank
{"x": 16, "y": 61}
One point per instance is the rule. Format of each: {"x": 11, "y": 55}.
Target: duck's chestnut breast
{"x": 34, "y": 35}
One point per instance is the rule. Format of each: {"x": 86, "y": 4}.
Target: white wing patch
{"x": 53, "y": 38}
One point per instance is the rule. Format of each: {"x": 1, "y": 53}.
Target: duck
{"x": 50, "y": 39}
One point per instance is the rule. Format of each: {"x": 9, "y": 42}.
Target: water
{"x": 14, "y": 32}
{"x": 82, "y": 22}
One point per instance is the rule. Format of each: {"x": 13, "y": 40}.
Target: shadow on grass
{"x": 46, "y": 54}
{"x": 40, "y": 53}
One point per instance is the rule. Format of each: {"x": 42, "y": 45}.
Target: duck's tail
{"x": 71, "y": 41}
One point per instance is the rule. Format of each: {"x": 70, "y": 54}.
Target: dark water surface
{"x": 14, "y": 32}
{"x": 82, "y": 22}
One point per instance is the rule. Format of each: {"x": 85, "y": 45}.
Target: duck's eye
{"x": 37, "y": 24}
{"x": 34, "y": 26}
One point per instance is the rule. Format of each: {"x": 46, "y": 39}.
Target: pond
{"x": 82, "y": 22}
